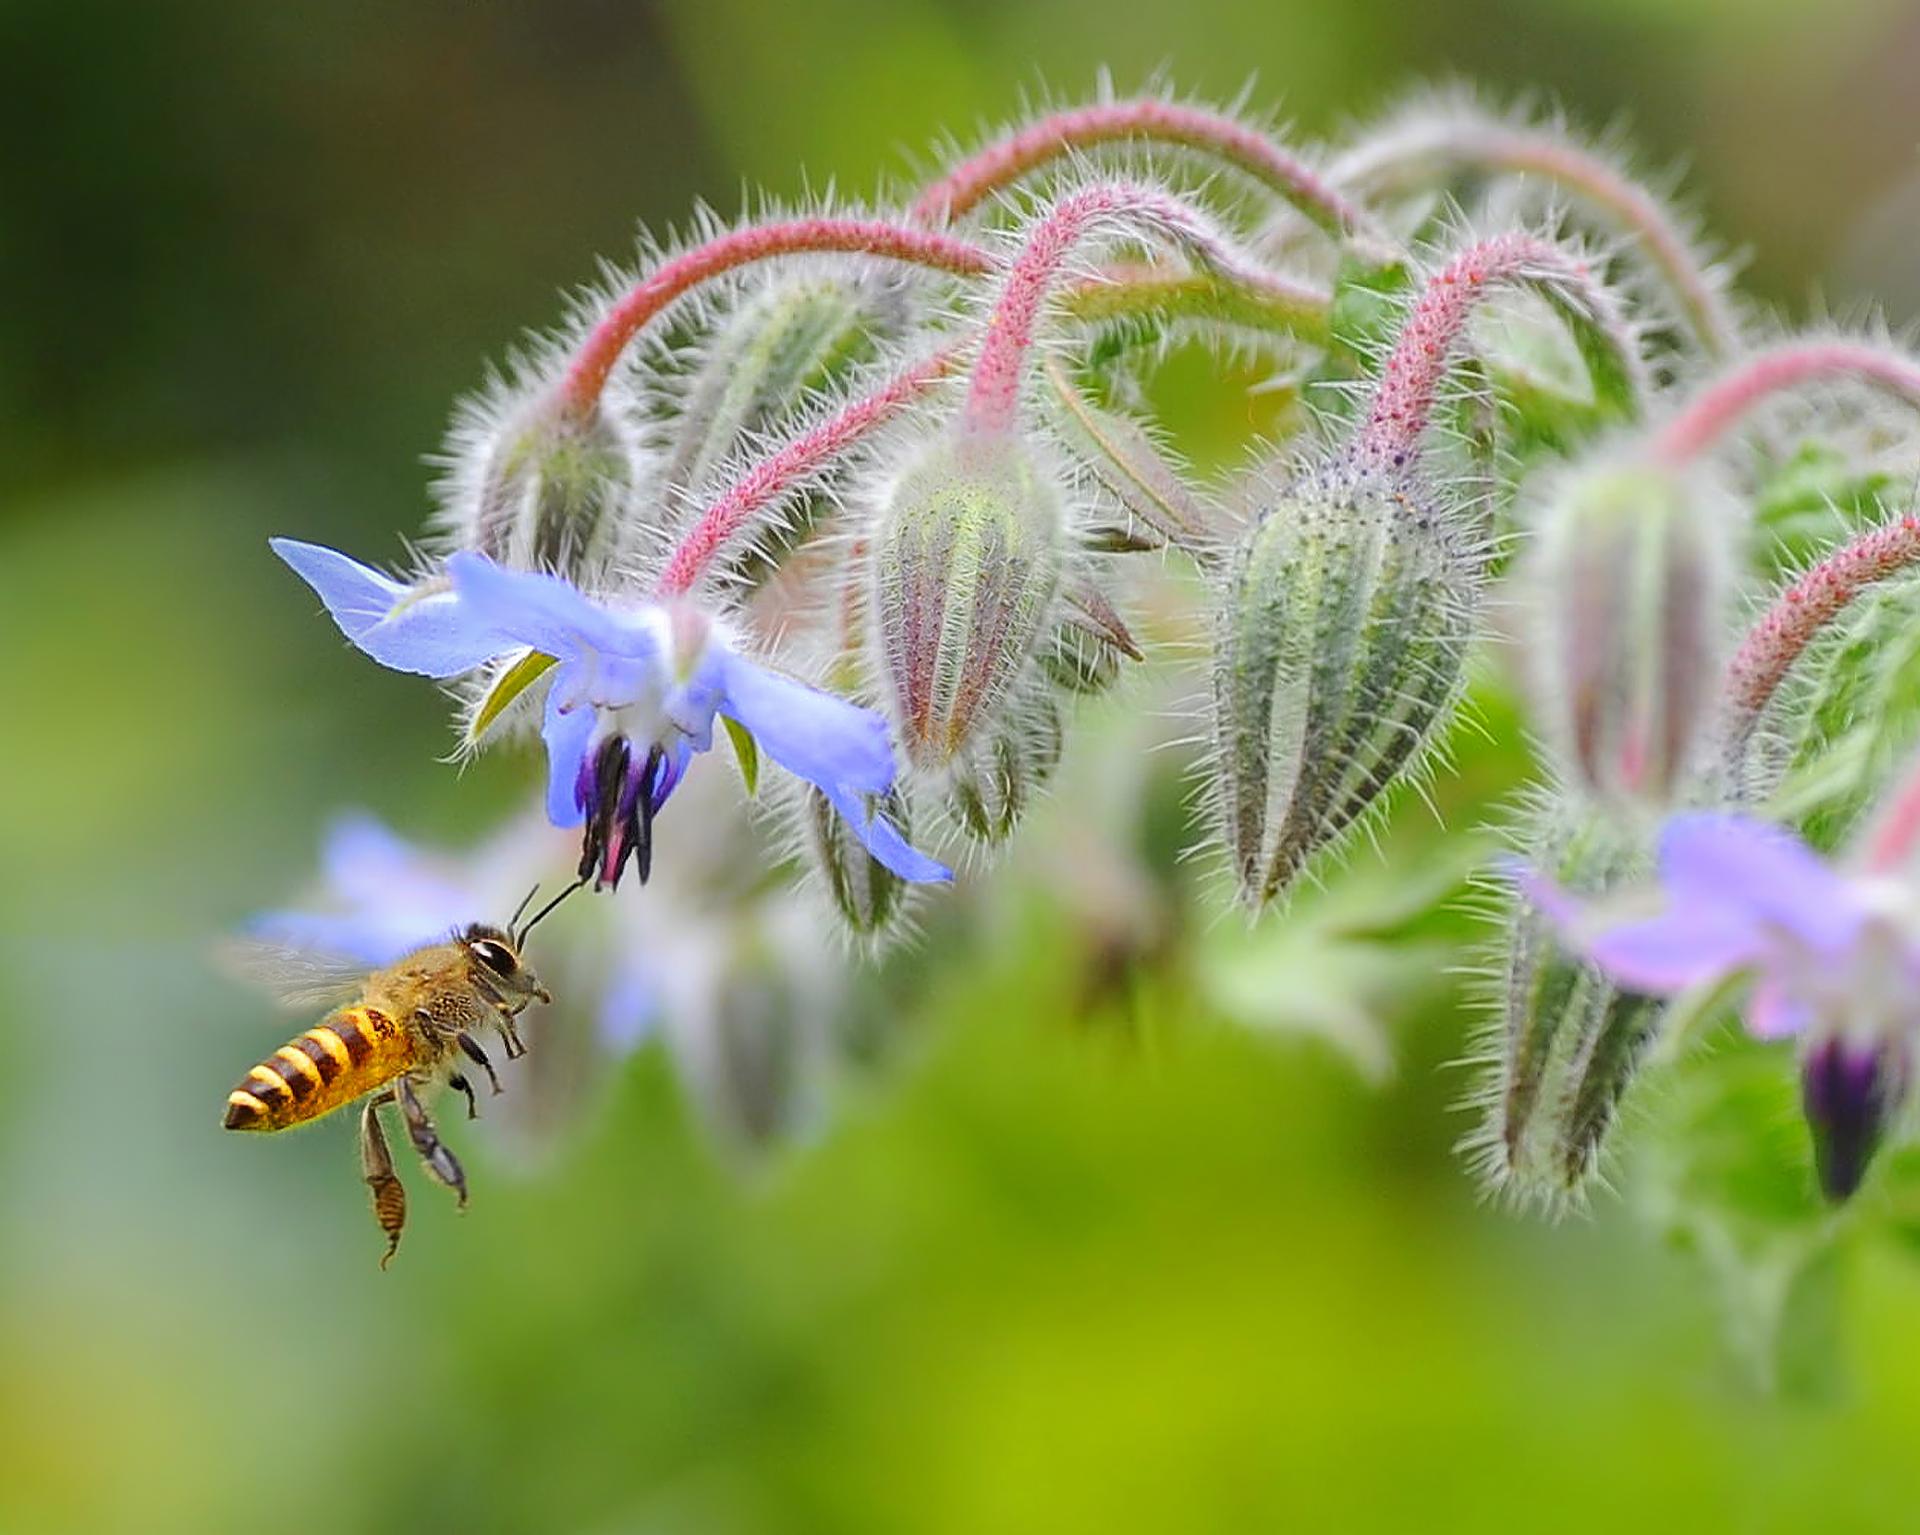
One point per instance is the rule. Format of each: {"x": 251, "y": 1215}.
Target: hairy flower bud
{"x": 995, "y": 783}
{"x": 783, "y": 344}
{"x": 1625, "y": 589}
{"x": 547, "y": 490}
{"x": 1339, "y": 647}
{"x": 865, "y": 891}
{"x": 965, "y": 562}
{"x": 1569, "y": 1042}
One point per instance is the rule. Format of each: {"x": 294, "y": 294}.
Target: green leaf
{"x": 747, "y": 751}
{"x": 508, "y": 686}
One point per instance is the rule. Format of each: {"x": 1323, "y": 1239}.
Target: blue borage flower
{"x": 634, "y": 694}
{"x": 383, "y": 897}
{"x": 1834, "y": 952}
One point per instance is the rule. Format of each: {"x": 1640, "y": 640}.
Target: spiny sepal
{"x": 1568, "y": 1042}
{"x": 867, "y": 894}
{"x": 997, "y": 781}
{"x": 1339, "y": 648}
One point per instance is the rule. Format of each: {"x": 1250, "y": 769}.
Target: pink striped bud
{"x": 1625, "y": 591}
{"x": 965, "y": 559}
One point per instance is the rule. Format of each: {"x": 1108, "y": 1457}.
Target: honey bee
{"x": 406, "y": 1030}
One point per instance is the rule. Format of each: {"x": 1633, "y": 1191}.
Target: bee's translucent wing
{"x": 294, "y": 977}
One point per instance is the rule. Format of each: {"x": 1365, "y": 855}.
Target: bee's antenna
{"x": 520, "y": 941}
{"x": 525, "y": 901}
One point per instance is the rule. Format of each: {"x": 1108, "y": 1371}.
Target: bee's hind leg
{"x": 376, "y": 1166}
{"x": 441, "y": 1162}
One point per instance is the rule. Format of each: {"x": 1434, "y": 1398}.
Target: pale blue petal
{"x": 817, "y": 736}
{"x": 1751, "y": 872}
{"x": 629, "y": 1008}
{"x": 883, "y": 840}
{"x": 543, "y": 611}
{"x": 1657, "y": 955}
{"x": 370, "y": 939}
{"x": 362, "y": 859}
{"x": 433, "y": 635}
{"x": 569, "y": 736}
{"x": 1668, "y": 953}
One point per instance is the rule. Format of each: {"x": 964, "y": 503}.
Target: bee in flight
{"x": 408, "y": 1029}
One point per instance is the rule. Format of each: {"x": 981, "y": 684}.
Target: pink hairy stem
{"x": 1720, "y": 406}
{"x": 1403, "y": 400}
{"x": 778, "y": 473}
{"x": 1483, "y": 143}
{"x": 587, "y": 373}
{"x": 1254, "y": 154}
{"x": 1808, "y": 605}
{"x": 993, "y": 392}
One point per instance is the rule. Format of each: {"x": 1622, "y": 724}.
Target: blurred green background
{"x": 1110, "y": 1265}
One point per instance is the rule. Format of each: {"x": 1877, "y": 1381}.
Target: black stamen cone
{"x": 1850, "y": 1094}
{"x": 620, "y": 818}
{"x": 643, "y": 808}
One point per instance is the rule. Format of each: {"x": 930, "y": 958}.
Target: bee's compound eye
{"x": 497, "y": 957}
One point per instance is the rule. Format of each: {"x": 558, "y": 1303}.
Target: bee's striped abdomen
{"x": 349, "y": 1055}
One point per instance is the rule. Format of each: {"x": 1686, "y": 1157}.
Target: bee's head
{"x": 498, "y": 958}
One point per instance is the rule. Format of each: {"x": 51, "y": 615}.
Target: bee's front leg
{"x": 376, "y": 1166}
{"x": 512, "y": 1035}
{"x": 426, "y": 1141}
{"x": 462, "y": 1086}
{"x": 470, "y": 1048}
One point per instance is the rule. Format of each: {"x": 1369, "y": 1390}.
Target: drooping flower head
{"x": 634, "y": 693}
{"x": 1834, "y": 953}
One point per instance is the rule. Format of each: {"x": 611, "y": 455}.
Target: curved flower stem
{"x": 1447, "y": 146}
{"x": 1800, "y": 612}
{"x": 778, "y": 473}
{"x": 587, "y": 373}
{"x": 1254, "y": 301}
{"x": 993, "y": 393}
{"x": 1718, "y": 407}
{"x": 1149, "y": 121}
{"x": 1402, "y": 405}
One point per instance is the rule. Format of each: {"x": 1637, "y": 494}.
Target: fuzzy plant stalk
{"x": 1800, "y": 613}
{"x": 1350, "y": 603}
{"x": 595, "y": 358}
{"x": 1429, "y": 146}
{"x": 728, "y": 517}
{"x": 1719, "y": 407}
{"x": 1151, "y": 122}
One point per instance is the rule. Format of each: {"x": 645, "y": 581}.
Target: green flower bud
{"x": 550, "y": 489}
{"x": 779, "y": 347}
{"x": 1570, "y": 1042}
{"x": 965, "y": 563}
{"x": 750, "y": 1034}
{"x": 1339, "y": 648}
{"x": 994, "y": 784}
{"x": 1624, "y": 594}
{"x": 865, "y": 891}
